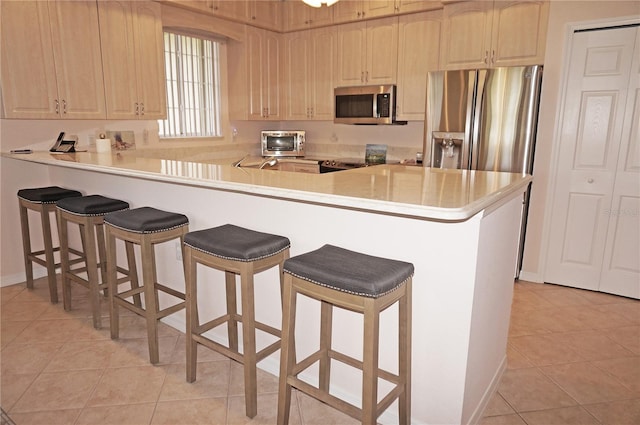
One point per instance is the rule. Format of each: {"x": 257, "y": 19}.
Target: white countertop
{"x": 425, "y": 193}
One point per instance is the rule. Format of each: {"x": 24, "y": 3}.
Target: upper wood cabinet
{"x": 298, "y": 16}
{"x": 367, "y": 52}
{"x": 52, "y": 69}
{"x": 255, "y": 76}
{"x": 488, "y": 34}
{"x": 353, "y": 10}
{"x": 133, "y": 59}
{"x": 310, "y": 58}
{"x": 418, "y": 53}
{"x": 265, "y": 14}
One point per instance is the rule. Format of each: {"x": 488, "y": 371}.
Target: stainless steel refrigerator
{"x": 484, "y": 119}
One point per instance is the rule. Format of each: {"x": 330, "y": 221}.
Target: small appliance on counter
{"x": 280, "y": 144}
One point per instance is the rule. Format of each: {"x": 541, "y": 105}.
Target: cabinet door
{"x": 76, "y": 51}
{"x": 375, "y": 8}
{"x": 255, "y": 62}
{"x": 29, "y": 88}
{"x": 351, "y": 54}
{"x": 519, "y": 32}
{"x": 418, "y": 52}
{"x": 298, "y": 15}
{"x": 466, "y": 35}
{"x": 265, "y": 13}
{"x": 297, "y": 76}
{"x": 149, "y": 55}
{"x": 118, "y": 59}
{"x": 271, "y": 72}
{"x": 235, "y": 9}
{"x": 405, "y": 6}
{"x": 323, "y": 55}
{"x": 347, "y": 11}
{"x": 382, "y": 51}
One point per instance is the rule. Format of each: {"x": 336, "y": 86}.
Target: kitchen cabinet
{"x": 489, "y": 34}
{"x": 265, "y": 14}
{"x": 51, "y": 65}
{"x": 310, "y": 58}
{"x": 348, "y": 11}
{"x": 418, "y": 53}
{"x": 367, "y": 52}
{"x": 298, "y": 16}
{"x": 133, "y": 59}
{"x": 255, "y": 77}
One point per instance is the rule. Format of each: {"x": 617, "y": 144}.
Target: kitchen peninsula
{"x": 460, "y": 229}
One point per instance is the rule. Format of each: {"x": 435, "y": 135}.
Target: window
{"x": 192, "y": 69}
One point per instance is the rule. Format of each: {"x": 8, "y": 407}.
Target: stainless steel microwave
{"x": 283, "y": 143}
{"x": 366, "y": 105}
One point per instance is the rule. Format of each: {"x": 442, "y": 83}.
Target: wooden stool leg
{"x": 91, "y": 262}
{"x": 191, "y": 302}
{"x": 150, "y": 298}
{"x": 26, "y": 244}
{"x": 112, "y": 282}
{"x": 232, "y": 309}
{"x": 370, "y": 362}
{"x": 48, "y": 253}
{"x": 326, "y": 324}
{"x": 288, "y": 349}
{"x": 63, "y": 235}
{"x": 404, "y": 354}
{"x": 133, "y": 271}
{"x": 249, "y": 340}
{"x": 102, "y": 255}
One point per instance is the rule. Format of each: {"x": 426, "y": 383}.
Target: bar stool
{"x": 145, "y": 227}
{"x": 88, "y": 213}
{"x": 236, "y": 251}
{"x": 43, "y": 201}
{"x": 360, "y": 283}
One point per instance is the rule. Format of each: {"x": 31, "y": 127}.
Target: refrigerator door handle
{"x": 478, "y": 100}
{"x": 468, "y": 127}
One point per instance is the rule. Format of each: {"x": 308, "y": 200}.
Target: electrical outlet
{"x": 178, "y": 252}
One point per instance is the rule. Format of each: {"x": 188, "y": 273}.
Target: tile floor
{"x": 573, "y": 358}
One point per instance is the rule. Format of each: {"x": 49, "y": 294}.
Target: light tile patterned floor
{"x": 574, "y": 358}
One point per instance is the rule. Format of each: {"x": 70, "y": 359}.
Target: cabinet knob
{"x": 142, "y": 109}
{"x": 590, "y": 180}
{"x": 64, "y": 106}
{"x": 486, "y": 57}
{"x": 137, "y": 108}
{"x": 57, "y": 106}
{"x": 493, "y": 56}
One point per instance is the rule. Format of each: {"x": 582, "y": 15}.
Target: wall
{"x": 561, "y": 14}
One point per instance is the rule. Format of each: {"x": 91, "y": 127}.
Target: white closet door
{"x": 589, "y": 145}
{"x": 621, "y": 267}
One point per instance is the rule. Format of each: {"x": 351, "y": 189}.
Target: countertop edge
{"x": 370, "y": 205}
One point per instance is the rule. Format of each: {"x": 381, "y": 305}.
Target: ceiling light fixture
{"x": 318, "y": 3}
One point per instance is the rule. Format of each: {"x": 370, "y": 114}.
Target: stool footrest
{"x": 170, "y": 310}
{"x": 325, "y": 397}
{"x": 342, "y": 358}
{"x": 170, "y": 291}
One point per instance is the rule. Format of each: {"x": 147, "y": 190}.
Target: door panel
{"x": 586, "y": 236}
{"x": 621, "y": 268}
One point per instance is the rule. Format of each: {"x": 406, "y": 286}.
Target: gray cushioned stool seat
{"x": 47, "y": 195}
{"x": 146, "y": 220}
{"x": 236, "y": 243}
{"x": 349, "y": 271}
{"x": 91, "y": 205}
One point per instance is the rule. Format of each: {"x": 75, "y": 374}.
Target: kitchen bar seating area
{"x": 228, "y": 150}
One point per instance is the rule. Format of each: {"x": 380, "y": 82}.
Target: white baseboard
{"x": 13, "y": 279}
{"x": 478, "y": 413}
{"x": 531, "y": 277}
